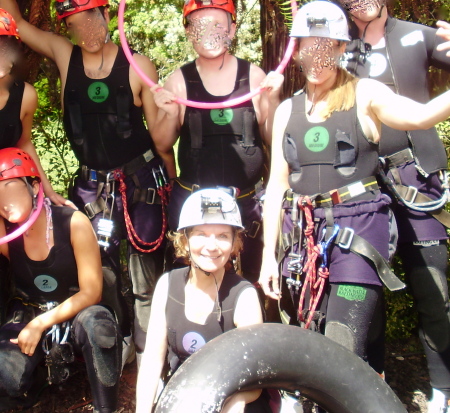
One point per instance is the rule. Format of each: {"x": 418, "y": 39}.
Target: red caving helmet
{"x": 8, "y": 26}
{"x": 193, "y": 5}
{"x": 66, "y": 8}
{"x": 16, "y": 163}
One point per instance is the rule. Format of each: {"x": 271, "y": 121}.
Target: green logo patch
{"x": 352, "y": 292}
{"x": 98, "y": 92}
{"x": 317, "y": 138}
{"x": 221, "y": 116}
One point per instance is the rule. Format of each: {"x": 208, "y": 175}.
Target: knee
{"x": 342, "y": 334}
{"x": 99, "y": 326}
{"x": 12, "y": 373}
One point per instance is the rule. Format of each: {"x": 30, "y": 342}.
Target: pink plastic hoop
{"x": 199, "y": 105}
{"x": 19, "y": 231}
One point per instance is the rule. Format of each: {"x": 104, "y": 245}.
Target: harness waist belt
{"x": 399, "y": 158}
{"x": 194, "y": 187}
{"x": 346, "y": 193}
{"x": 129, "y": 168}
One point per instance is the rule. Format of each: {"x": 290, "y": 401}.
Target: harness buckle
{"x": 335, "y": 197}
{"x": 254, "y": 229}
{"x": 411, "y": 194}
{"x": 151, "y": 195}
{"x": 346, "y": 238}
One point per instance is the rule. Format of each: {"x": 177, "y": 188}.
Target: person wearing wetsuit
{"x": 53, "y": 313}
{"x": 415, "y": 164}
{"x": 337, "y": 227}
{"x": 194, "y": 304}
{"x": 104, "y": 101}
{"x": 221, "y": 147}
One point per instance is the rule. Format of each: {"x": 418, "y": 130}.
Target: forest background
{"x": 154, "y": 28}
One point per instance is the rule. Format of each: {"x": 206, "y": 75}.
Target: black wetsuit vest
{"x": 186, "y": 337}
{"x": 56, "y": 277}
{"x": 105, "y": 129}
{"x": 410, "y": 77}
{"x": 10, "y": 123}
{"x": 220, "y": 146}
{"x": 327, "y": 155}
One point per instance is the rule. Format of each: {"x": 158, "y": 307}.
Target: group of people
{"x": 356, "y": 168}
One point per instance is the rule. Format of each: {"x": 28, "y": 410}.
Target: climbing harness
{"x": 163, "y": 189}
{"x": 305, "y": 253}
{"x": 409, "y": 195}
{"x": 58, "y": 351}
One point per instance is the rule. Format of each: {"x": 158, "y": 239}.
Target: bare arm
{"x": 378, "y": 104}
{"x": 29, "y": 105}
{"x": 155, "y": 349}
{"x": 267, "y": 101}
{"x": 444, "y": 32}
{"x": 49, "y": 44}
{"x": 169, "y": 119}
{"x": 90, "y": 280}
{"x": 278, "y": 184}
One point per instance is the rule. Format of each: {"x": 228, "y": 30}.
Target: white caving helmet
{"x": 210, "y": 206}
{"x": 320, "y": 19}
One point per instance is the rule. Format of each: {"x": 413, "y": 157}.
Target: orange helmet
{"x": 8, "y": 26}
{"x": 66, "y": 8}
{"x": 193, "y": 5}
{"x": 16, "y": 163}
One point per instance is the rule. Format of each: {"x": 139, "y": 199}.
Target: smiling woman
{"x": 195, "y": 304}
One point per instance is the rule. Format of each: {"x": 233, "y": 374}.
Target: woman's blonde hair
{"x": 179, "y": 240}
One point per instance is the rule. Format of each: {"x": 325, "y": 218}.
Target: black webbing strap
{"x": 248, "y": 135}
{"x": 347, "y": 239}
{"x": 76, "y": 118}
{"x": 196, "y": 130}
{"x": 123, "y": 113}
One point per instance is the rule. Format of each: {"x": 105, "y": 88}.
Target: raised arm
{"x": 29, "y": 105}
{"x": 378, "y": 104}
{"x": 49, "y": 44}
{"x": 278, "y": 184}
{"x": 90, "y": 280}
{"x": 169, "y": 119}
{"x": 155, "y": 349}
{"x": 267, "y": 101}
{"x": 444, "y": 32}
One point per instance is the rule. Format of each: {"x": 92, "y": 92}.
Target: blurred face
{"x": 88, "y": 29}
{"x": 365, "y": 10}
{"x": 16, "y": 202}
{"x": 210, "y": 246}
{"x": 318, "y": 57}
{"x": 209, "y": 30}
{"x": 8, "y": 55}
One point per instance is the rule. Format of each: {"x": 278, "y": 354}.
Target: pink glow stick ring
{"x": 199, "y": 105}
{"x": 19, "y": 231}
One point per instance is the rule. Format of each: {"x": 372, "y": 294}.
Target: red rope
{"x": 315, "y": 282}
{"x": 163, "y": 192}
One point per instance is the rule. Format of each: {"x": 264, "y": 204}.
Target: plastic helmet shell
{"x": 210, "y": 206}
{"x": 320, "y": 19}
{"x": 8, "y": 26}
{"x": 193, "y": 5}
{"x": 65, "y": 8}
{"x": 16, "y": 163}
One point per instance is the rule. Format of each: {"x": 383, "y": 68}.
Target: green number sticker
{"x": 98, "y": 92}
{"x": 317, "y": 138}
{"x": 221, "y": 116}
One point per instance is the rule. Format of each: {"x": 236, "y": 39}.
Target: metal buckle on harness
{"x": 151, "y": 196}
{"x": 346, "y": 238}
{"x": 90, "y": 211}
{"x": 254, "y": 229}
{"x": 295, "y": 264}
{"x": 411, "y": 194}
